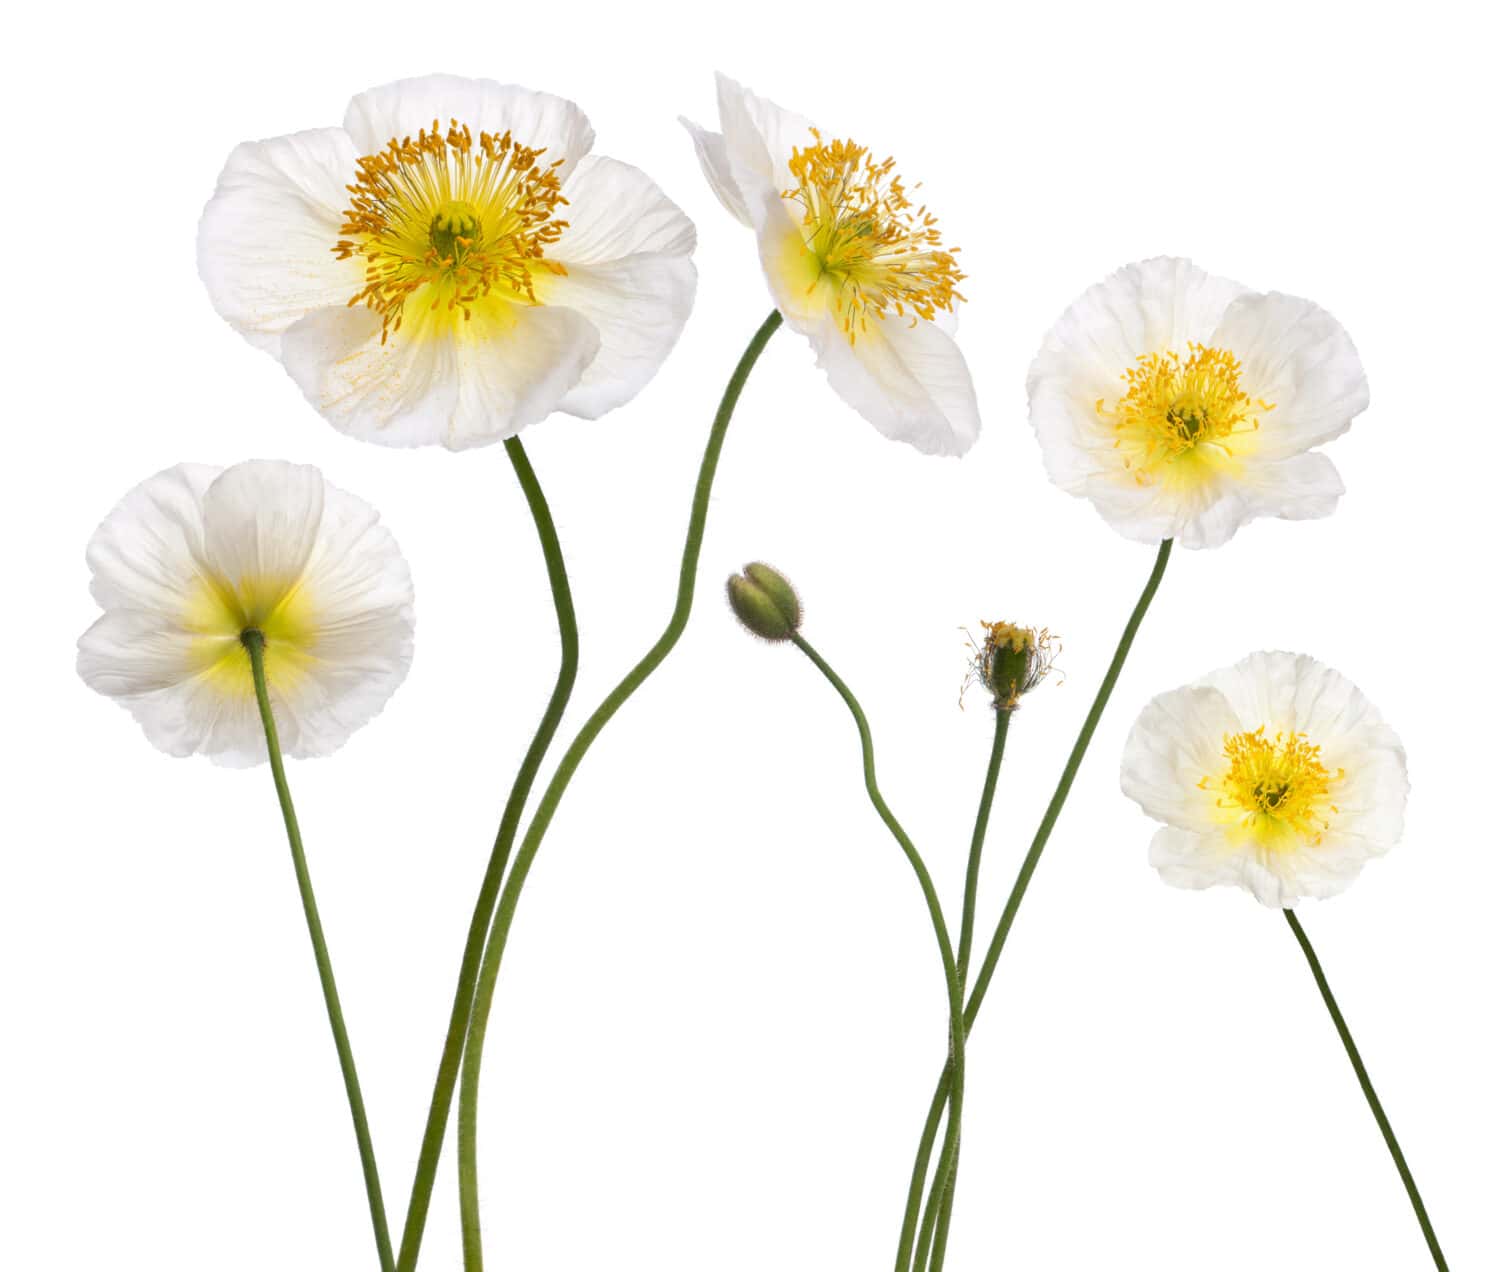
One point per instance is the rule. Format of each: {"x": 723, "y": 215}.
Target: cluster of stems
{"x": 504, "y": 878}
{"x": 923, "y": 1238}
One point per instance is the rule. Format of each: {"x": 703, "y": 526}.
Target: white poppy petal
{"x": 266, "y": 239}
{"x": 260, "y": 521}
{"x": 908, "y": 379}
{"x": 1296, "y": 357}
{"x": 1188, "y": 859}
{"x": 407, "y": 106}
{"x": 144, "y": 554}
{"x": 361, "y": 587}
{"x": 759, "y": 137}
{"x": 1297, "y": 488}
{"x": 127, "y": 653}
{"x": 615, "y": 210}
{"x": 1175, "y": 743}
{"x": 155, "y": 673}
{"x": 477, "y": 388}
{"x": 626, "y": 256}
{"x": 639, "y": 307}
{"x": 713, "y": 158}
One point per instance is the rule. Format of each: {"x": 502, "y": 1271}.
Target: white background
{"x": 722, "y": 1011}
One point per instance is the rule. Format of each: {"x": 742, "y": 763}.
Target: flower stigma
{"x": 862, "y": 240}
{"x": 448, "y": 229}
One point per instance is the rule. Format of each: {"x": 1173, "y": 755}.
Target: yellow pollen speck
{"x": 1276, "y": 792}
{"x": 1182, "y": 417}
{"x": 447, "y": 228}
{"x": 873, "y": 250}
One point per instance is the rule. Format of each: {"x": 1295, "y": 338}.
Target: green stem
{"x": 948, "y": 1157}
{"x": 976, "y": 842}
{"x": 510, "y": 820}
{"x": 966, "y": 944}
{"x": 1368, "y": 1088}
{"x": 1023, "y": 877}
{"x": 489, "y": 971}
{"x": 255, "y": 646}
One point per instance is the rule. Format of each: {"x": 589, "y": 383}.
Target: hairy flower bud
{"x": 765, "y": 602}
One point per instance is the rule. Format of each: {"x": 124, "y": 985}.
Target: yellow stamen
{"x": 1178, "y": 410}
{"x": 1277, "y": 791}
{"x": 446, "y": 227}
{"x": 878, "y": 253}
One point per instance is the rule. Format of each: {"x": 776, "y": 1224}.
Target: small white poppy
{"x": 451, "y": 265}
{"x": 1185, "y": 406}
{"x": 194, "y": 557}
{"x": 1276, "y": 774}
{"x": 852, "y": 264}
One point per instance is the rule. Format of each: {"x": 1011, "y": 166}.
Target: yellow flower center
{"x": 448, "y": 229}
{"x": 221, "y": 610}
{"x": 863, "y": 240}
{"x": 1182, "y": 417}
{"x": 1276, "y": 792}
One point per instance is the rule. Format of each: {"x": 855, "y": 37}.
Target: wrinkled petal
{"x": 1176, "y": 742}
{"x": 144, "y": 554}
{"x": 362, "y": 588}
{"x": 1296, "y": 357}
{"x": 909, "y": 379}
{"x": 1206, "y": 516}
{"x": 639, "y": 307}
{"x": 615, "y": 210}
{"x": 261, "y": 519}
{"x": 759, "y": 138}
{"x": 127, "y": 653}
{"x": 266, "y": 239}
{"x": 407, "y": 106}
{"x": 489, "y": 383}
{"x": 713, "y": 158}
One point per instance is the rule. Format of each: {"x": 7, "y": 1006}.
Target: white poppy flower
{"x": 1184, "y": 405}
{"x": 192, "y": 558}
{"x": 852, "y": 264}
{"x": 1275, "y": 774}
{"x": 451, "y": 265}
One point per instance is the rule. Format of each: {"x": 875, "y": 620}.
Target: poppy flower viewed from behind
{"x": 195, "y": 557}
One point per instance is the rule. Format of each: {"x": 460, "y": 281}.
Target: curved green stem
{"x": 489, "y": 971}
{"x": 255, "y": 646}
{"x": 1028, "y": 868}
{"x": 1368, "y": 1088}
{"x": 948, "y": 1157}
{"x": 510, "y": 820}
{"x": 939, "y": 1238}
